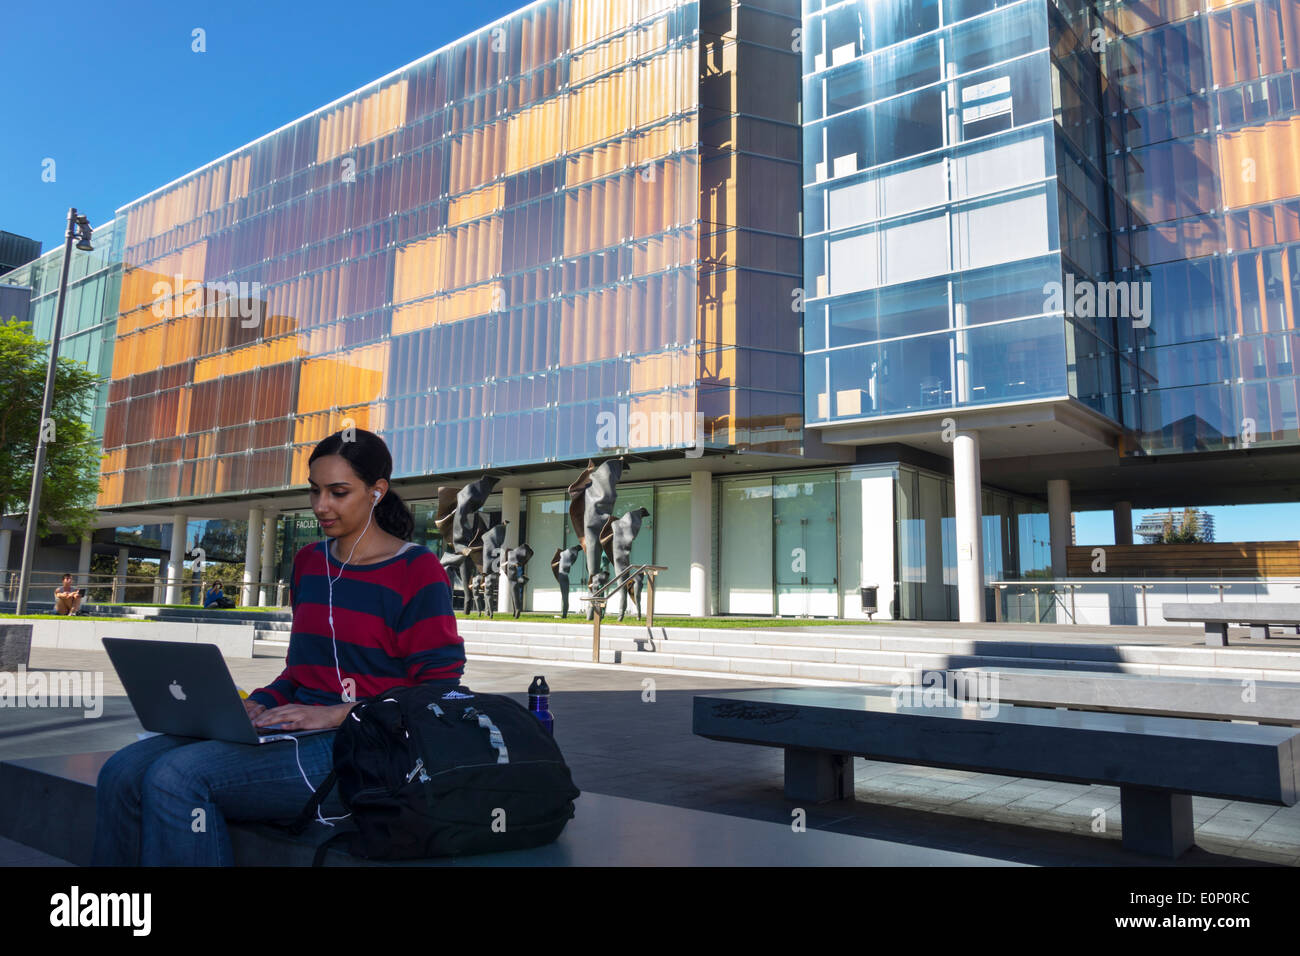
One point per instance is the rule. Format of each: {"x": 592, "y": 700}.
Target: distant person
{"x": 67, "y": 599}
{"x": 216, "y": 596}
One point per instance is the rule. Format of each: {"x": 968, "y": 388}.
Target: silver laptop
{"x": 186, "y": 689}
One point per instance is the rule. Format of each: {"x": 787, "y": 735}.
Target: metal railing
{"x": 601, "y": 595}
{"x": 132, "y": 588}
{"x": 1100, "y": 601}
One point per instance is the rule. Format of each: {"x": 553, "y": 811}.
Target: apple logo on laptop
{"x": 177, "y": 691}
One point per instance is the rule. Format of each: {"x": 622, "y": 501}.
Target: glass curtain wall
{"x": 499, "y": 240}
{"x": 928, "y": 130}
{"x": 1203, "y": 101}
{"x": 89, "y": 314}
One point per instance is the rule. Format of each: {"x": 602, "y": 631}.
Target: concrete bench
{"x": 1205, "y": 698}
{"x": 49, "y": 803}
{"x": 1158, "y": 763}
{"x": 1217, "y": 617}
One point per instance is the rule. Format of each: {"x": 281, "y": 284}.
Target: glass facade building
{"x": 781, "y": 227}
{"x": 539, "y": 224}
{"x": 962, "y": 156}
{"x": 1203, "y": 154}
{"x": 952, "y": 173}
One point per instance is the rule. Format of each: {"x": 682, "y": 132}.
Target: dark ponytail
{"x": 393, "y": 516}
{"x": 370, "y": 459}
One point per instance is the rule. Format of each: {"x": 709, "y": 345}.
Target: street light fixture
{"x": 79, "y": 229}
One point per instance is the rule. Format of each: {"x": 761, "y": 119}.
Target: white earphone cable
{"x": 330, "y": 579}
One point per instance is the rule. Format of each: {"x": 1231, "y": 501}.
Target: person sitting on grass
{"x": 67, "y": 599}
{"x": 216, "y": 596}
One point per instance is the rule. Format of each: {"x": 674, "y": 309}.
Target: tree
{"x": 1187, "y": 532}
{"x": 72, "y": 457}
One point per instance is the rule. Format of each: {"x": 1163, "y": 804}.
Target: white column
{"x": 1058, "y": 522}
{"x": 970, "y": 546}
{"x": 510, "y": 515}
{"x": 119, "y": 589}
{"x": 266, "y": 595}
{"x": 252, "y": 552}
{"x": 6, "y": 542}
{"x": 1123, "y": 522}
{"x": 701, "y": 541}
{"x": 83, "y": 561}
{"x": 877, "y": 568}
{"x": 176, "y": 559}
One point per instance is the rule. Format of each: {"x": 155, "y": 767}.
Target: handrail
{"x": 600, "y": 596}
{"x": 1159, "y": 588}
{"x": 622, "y": 578}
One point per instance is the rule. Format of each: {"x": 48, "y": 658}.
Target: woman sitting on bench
{"x": 165, "y": 801}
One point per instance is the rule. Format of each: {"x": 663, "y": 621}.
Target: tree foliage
{"x": 72, "y": 457}
{"x": 1187, "y": 532}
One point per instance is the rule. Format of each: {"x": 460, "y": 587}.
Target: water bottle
{"x": 539, "y": 702}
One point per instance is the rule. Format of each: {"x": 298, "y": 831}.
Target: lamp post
{"x": 78, "y": 228}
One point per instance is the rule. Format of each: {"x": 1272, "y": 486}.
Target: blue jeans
{"x": 164, "y": 801}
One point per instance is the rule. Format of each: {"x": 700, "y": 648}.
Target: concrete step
{"x": 883, "y": 657}
{"x": 870, "y": 666}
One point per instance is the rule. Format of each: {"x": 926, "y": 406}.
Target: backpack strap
{"x": 323, "y": 848}
{"x": 313, "y": 804}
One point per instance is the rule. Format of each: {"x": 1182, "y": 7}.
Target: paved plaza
{"x": 619, "y": 742}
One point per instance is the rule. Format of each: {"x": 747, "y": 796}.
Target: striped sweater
{"x": 393, "y": 621}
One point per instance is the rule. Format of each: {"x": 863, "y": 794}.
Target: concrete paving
{"x": 619, "y": 741}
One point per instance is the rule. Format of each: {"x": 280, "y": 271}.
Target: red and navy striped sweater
{"x": 393, "y": 620}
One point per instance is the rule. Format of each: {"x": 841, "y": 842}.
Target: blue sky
{"x": 1234, "y": 523}
{"x": 134, "y": 107}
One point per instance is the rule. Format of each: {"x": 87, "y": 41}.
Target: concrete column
{"x": 6, "y": 542}
{"x": 1058, "y": 521}
{"x": 119, "y": 586}
{"x": 509, "y": 514}
{"x": 252, "y": 552}
{"x": 970, "y": 546}
{"x": 1123, "y": 522}
{"x": 176, "y": 559}
{"x": 83, "y": 562}
{"x": 701, "y": 541}
{"x": 266, "y": 595}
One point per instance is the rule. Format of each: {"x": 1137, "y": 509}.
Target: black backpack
{"x": 437, "y": 770}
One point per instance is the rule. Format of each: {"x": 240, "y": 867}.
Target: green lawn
{"x": 573, "y": 618}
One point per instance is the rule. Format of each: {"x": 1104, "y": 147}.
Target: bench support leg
{"x": 818, "y": 777}
{"x": 1259, "y": 632}
{"x": 1216, "y": 635}
{"x": 1155, "y": 822}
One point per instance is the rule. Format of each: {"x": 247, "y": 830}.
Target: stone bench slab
{"x": 1208, "y": 698}
{"x": 49, "y": 803}
{"x": 1158, "y": 763}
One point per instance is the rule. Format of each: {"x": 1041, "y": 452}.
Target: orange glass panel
{"x": 1258, "y": 163}
{"x": 533, "y": 135}
{"x": 361, "y": 121}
